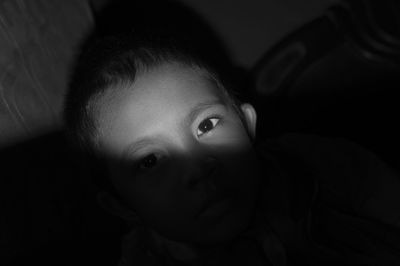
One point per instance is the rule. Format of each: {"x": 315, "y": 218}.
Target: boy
{"x": 185, "y": 169}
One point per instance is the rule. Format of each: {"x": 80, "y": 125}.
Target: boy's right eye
{"x": 148, "y": 162}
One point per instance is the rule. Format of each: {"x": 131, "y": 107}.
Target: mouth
{"x": 215, "y": 208}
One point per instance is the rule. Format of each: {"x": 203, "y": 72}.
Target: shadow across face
{"x": 204, "y": 197}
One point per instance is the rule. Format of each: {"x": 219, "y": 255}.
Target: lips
{"x": 215, "y": 207}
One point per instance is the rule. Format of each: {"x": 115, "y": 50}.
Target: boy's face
{"x": 180, "y": 155}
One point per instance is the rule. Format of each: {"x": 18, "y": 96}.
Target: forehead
{"x": 155, "y": 103}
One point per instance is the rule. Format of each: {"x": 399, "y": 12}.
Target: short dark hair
{"x": 117, "y": 59}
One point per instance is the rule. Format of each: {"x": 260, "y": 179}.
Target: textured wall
{"x": 250, "y": 27}
{"x": 37, "y": 43}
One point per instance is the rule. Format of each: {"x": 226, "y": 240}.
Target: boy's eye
{"x": 149, "y": 161}
{"x": 207, "y": 125}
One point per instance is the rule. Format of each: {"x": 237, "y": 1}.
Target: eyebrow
{"x": 201, "y": 107}
{"x": 193, "y": 114}
{"x": 134, "y": 146}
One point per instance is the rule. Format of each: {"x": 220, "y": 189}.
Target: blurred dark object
{"x": 337, "y": 76}
{"x": 38, "y": 41}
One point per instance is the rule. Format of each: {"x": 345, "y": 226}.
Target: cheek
{"x": 160, "y": 202}
{"x": 168, "y": 214}
{"x": 235, "y": 147}
{"x": 241, "y": 168}
{"x": 232, "y": 134}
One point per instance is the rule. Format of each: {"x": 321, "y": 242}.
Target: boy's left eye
{"x": 207, "y": 125}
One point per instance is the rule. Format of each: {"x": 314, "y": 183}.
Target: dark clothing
{"x": 343, "y": 203}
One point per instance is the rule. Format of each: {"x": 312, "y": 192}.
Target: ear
{"x": 114, "y": 206}
{"x": 250, "y": 117}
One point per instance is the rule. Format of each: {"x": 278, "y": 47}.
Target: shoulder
{"x": 349, "y": 175}
{"x": 311, "y": 145}
{"x": 324, "y": 156}
{"x": 328, "y": 156}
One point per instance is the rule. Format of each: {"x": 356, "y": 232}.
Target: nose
{"x": 202, "y": 172}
